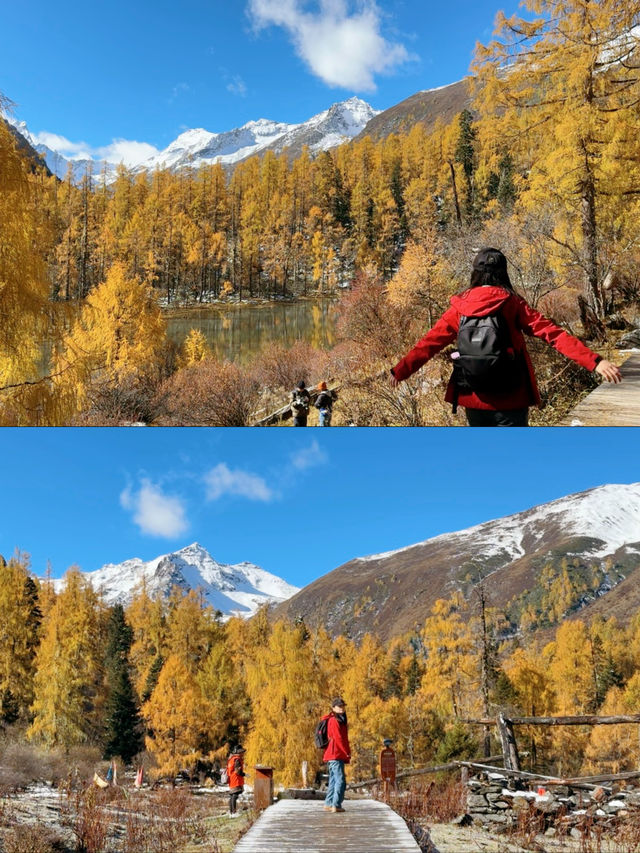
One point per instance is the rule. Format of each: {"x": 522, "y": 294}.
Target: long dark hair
{"x": 491, "y": 278}
{"x": 490, "y": 269}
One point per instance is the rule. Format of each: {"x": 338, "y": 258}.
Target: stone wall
{"x": 500, "y": 802}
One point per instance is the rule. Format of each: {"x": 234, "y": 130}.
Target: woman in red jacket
{"x": 337, "y": 754}
{"x": 491, "y": 295}
{"x": 236, "y": 774}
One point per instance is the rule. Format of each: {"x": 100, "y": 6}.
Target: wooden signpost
{"x": 387, "y": 769}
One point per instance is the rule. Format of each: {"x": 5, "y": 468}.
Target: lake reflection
{"x": 239, "y": 332}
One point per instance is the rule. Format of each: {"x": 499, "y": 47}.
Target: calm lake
{"x": 239, "y": 332}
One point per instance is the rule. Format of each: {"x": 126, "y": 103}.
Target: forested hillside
{"x": 544, "y": 165}
{"x": 167, "y": 684}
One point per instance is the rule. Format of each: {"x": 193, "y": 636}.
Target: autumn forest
{"x": 543, "y": 163}
{"x": 167, "y": 684}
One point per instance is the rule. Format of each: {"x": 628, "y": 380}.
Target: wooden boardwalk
{"x": 611, "y": 405}
{"x": 302, "y": 826}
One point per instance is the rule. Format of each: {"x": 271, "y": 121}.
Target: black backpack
{"x": 300, "y": 401}
{"x": 486, "y": 360}
{"x": 321, "y": 736}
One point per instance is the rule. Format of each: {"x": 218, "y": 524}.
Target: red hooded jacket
{"x": 235, "y": 770}
{"x": 337, "y": 732}
{"x": 520, "y": 317}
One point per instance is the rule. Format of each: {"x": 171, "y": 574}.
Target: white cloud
{"x": 223, "y": 481}
{"x": 154, "y": 512}
{"x": 125, "y": 151}
{"x": 344, "y": 48}
{"x": 237, "y": 86}
{"x": 177, "y": 90}
{"x": 309, "y": 457}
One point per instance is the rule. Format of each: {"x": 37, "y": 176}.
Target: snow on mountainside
{"x": 328, "y": 129}
{"x": 609, "y": 514}
{"x": 596, "y": 533}
{"x": 340, "y": 123}
{"x": 58, "y": 164}
{"x": 238, "y": 589}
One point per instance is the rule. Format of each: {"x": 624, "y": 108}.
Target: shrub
{"x": 210, "y": 394}
{"x": 458, "y": 743}
{"x": 32, "y": 838}
{"x": 280, "y": 368}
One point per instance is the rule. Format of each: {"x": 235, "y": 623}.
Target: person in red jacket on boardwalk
{"x": 236, "y": 774}
{"x": 337, "y": 754}
{"x": 491, "y": 293}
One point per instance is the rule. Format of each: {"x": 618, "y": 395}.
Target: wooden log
{"x": 420, "y": 771}
{"x": 285, "y": 412}
{"x": 595, "y": 780}
{"x": 508, "y": 740}
{"x": 523, "y": 774}
{"x": 582, "y": 720}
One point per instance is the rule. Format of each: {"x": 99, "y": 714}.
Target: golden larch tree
{"x": 68, "y": 695}
{"x": 119, "y": 335}
{"x": 176, "y": 716}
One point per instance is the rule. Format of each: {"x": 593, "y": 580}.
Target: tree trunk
{"x": 455, "y": 193}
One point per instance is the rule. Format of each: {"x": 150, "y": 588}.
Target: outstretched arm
{"x": 443, "y": 333}
{"x": 534, "y": 323}
{"x": 609, "y": 371}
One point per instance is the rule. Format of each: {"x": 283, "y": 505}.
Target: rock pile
{"x": 499, "y": 802}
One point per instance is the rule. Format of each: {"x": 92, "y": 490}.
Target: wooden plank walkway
{"x": 302, "y": 826}
{"x": 611, "y": 405}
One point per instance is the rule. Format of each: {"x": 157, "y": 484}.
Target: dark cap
{"x": 301, "y": 384}
{"x": 489, "y": 260}
{"x": 338, "y": 700}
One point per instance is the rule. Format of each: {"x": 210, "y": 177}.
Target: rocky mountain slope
{"x": 238, "y": 589}
{"x": 427, "y": 107}
{"x": 594, "y": 535}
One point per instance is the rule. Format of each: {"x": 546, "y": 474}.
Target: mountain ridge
{"x": 238, "y": 589}
{"x": 339, "y": 123}
{"x": 596, "y": 533}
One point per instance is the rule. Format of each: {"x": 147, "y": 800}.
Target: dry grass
{"x": 438, "y": 801}
{"x": 32, "y": 838}
{"x": 22, "y": 763}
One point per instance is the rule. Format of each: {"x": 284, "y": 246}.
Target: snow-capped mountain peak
{"x": 232, "y": 589}
{"x": 197, "y": 146}
{"x": 609, "y": 514}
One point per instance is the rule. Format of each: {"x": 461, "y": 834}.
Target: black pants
{"x": 300, "y": 420}
{"x": 233, "y": 799}
{"x": 486, "y": 418}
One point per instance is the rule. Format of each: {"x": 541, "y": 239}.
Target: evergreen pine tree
{"x": 465, "y": 155}
{"x": 123, "y": 736}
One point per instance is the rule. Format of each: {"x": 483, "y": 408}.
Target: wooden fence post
{"x": 509, "y": 746}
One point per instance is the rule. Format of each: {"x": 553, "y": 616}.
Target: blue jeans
{"x": 324, "y": 417}
{"x": 337, "y": 784}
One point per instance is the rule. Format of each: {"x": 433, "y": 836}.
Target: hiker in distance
{"x": 300, "y": 401}
{"x": 235, "y": 776}
{"x": 493, "y": 377}
{"x": 336, "y": 754}
{"x": 324, "y": 404}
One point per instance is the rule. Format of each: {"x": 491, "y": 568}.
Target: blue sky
{"x": 112, "y": 79}
{"x": 296, "y": 502}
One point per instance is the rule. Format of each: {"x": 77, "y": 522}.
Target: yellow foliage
{"x": 18, "y": 631}
{"x": 177, "y": 717}
{"x": 194, "y": 349}
{"x": 67, "y": 704}
{"x": 616, "y": 748}
{"x": 288, "y": 694}
{"x": 119, "y": 334}
{"x": 24, "y": 288}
